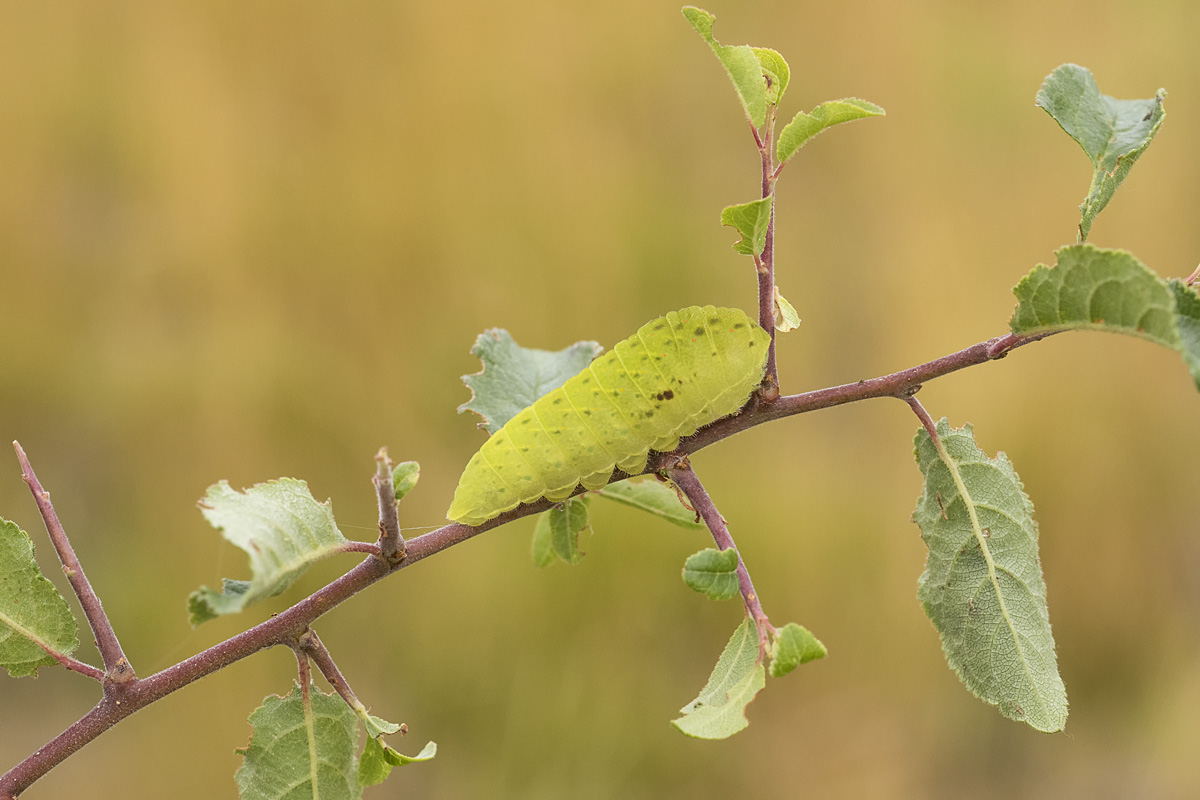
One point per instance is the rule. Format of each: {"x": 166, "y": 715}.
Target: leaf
{"x": 982, "y": 587}
{"x": 741, "y": 63}
{"x": 294, "y": 747}
{"x": 720, "y": 709}
{"x": 1187, "y": 318}
{"x": 33, "y": 615}
{"x": 752, "y": 221}
{"x": 653, "y": 497}
{"x": 404, "y": 477}
{"x": 786, "y": 318}
{"x": 713, "y": 573}
{"x": 832, "y": 112}
{"x": 1114, "y": 133}
{"x": 378, "y": 760}
{"x": 513, "y": 377}
{"x": 542, "y": 546}
{"x": 776, "y": 70}
{"x": 283, "y": 530}
{"x": 375, "y": 726}
{"x": 557, "y": 533}
{"x": 1091, "y": 288}
{"x": 791, "y": 646}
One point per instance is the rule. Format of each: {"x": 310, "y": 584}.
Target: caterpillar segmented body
{"x": 676, "y": 374}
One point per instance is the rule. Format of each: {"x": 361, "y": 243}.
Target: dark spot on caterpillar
{"x": 752, "y": 343}
{"x": 524, "y": 449}
{"x": 587, "y": 380}
{"x": 649, "y": 414}
{"x": 713, "y": 320}
{"x": 699, "y": 331}
{"x": 525, "y": 421}
{"x": 660, "y": 326}
{"x": 668, "y": 395}
{"x": 587, "y": 411}
{"x": 557, "y": 400}
{"x": 500, "y": 489}
{"x": 739, "y": 325}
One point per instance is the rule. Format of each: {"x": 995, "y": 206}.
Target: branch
{"x": 896, "y": 384}
{"x": 689, "y": 482}
{"x": 117, "y": 668}
{"x": 286, "y": 627}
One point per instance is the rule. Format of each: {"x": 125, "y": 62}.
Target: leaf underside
{"x": 1114, "y": 133}
{"x": 751, "y": 220}
{"x": 982, "y": 587}
{"x": 794, "y": 645}
{"x": 720, "y": 709}
{"x": 804, "y": 127}
{"x": 741, "y": 63}
{"x": 713, "y": 573}
{"x": 514, "y": 377}
{"x": 1092, "y": 288}
{"x": 556, "y": 535}
{"x": 278, "y": 763}
{"x": 31, "y": 609}
{"x": 282, "y": 529}
{"x": 653, "y": 497}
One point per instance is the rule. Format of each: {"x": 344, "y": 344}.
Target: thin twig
{"x": 689, "y": 482}
{"x": 362, "y": 547}
{"x": 117, "y": 668}
{"x": 304, "y": 669}
{"x": 315, "y": 649}
{"x": 391, "y": 542}
{"x": 766, "y": 262}
{"x": 74, "y": 664}
{"x": 926, "y": 421}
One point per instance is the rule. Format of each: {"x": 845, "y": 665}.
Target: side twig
{"x": 116, "y": 667}
{"x": 315, "y": 649}
{"x": 765, "y": 264}
{"x": 391, "y": 542}
{"x": 689, "y": 482}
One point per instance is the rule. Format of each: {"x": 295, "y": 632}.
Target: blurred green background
{"x": 245, "y": 240}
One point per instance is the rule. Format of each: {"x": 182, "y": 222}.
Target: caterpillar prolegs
{"x": 676, "y": 374}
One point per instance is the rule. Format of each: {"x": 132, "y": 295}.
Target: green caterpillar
{"x": 674, "y": 375}
{"x": 677, "y": 373}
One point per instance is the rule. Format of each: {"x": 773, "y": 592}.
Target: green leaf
{"x": 1091, "y": 288}
{"x": 786, "y": 318}
{"x": 404, "y": 477}
{"x": 720, "y": 709}
{"x": 775, "y": 69}
{"x": 982, "y": 587}
{"x": 1187, "y": 318}
{"x": 557, "y": 532}
{"x": 378, "y": 760}
{"x": 1114, "y": 133}
{"x": 375, "y": 726}
{"x": 751, "y": 220}
{"x": 542, "y": 547}
{"x": 713, "y": 572}
{"x": 832, "y": 112}
{"x": 740, "y": 62}
{"x": 283, "y": 530}
{"x": 513, "y": 377}
{"x": 653, "y": 497}
{"x": 791, "y": 646}
{"x": 33, "y": 615}
{"x": 296, "y": 747}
